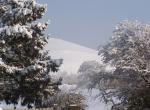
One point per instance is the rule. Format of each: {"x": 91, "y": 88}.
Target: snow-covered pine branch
{"x": 24, "y": 62}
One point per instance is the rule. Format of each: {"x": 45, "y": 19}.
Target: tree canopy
{"x": 127, "y": 85}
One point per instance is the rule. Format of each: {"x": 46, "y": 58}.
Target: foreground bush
{"x": 63, "y": 101}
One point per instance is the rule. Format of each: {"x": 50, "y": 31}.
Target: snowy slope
{"x": 73, "y": 55}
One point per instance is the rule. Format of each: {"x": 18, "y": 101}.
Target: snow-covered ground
{"x": 4, "y": 106}
{"x": 93, "y": 102}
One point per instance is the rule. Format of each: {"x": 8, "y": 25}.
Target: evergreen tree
{"x": 24, "y": 63}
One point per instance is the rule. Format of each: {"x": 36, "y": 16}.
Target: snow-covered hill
{"x": 73, "y": 55}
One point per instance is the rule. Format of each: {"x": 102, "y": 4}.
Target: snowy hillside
{"x": 73, "y": 55}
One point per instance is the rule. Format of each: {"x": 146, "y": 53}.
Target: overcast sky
{"x": 90, "y": 22}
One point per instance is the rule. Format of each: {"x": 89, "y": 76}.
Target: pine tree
{"x": 24, "y": 63}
